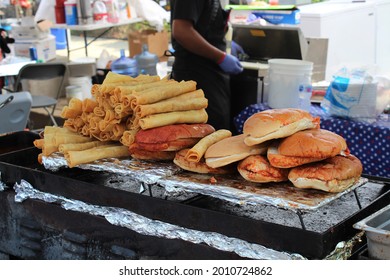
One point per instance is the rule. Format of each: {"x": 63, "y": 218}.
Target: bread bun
{"x": 256, "y": 168}
{"x": 281, "y": 161}
{"x": 231, "y": 149}
{"x": 197, "y": 167}
{"x": 318, "y": 143}
{"x": 141, "y": 154}
{"x": 331, "y": 175}
{"x": 174, "y": 145}
{"x": 172, "y": 137}
{"x": 277, "y": 123}
{"x": 306, "y": 146}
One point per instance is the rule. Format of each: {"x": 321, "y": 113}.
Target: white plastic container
{"x": 289, "y": 83}
{"x": 100, "y": 14}
{"x": 85, "y": 83}
{"x": 74, "y": 92}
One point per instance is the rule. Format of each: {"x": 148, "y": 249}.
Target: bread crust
{"x": 174, "y": 145}
{"x": 173, "y": 132}
{"x": 256, "y": 168}
{"x": 277, "y": 123}
{"x": 314, "y": 143}
{"x": 281, "y": 161}
{"x": 333, "y": 174}
{"x": 232, "y": 149}
{"x": 141, "y": 154}
{"x": 197, "y": 167}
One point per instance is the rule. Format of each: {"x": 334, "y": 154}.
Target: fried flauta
{"x": 194, "y": 100}
{"x": 196, "y": 153}
{"x": 38, "y": 143}
{"x": 192, "y": 116}
{"x": 88, "y": 105}
{"x": 74, "y": 158}
{"x": 63, "y": 148}
{"x": 162, "y": 92}
{"x": 128, "y": 137}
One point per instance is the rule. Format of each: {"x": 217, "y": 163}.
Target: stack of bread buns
{"x": 283, "y": 145}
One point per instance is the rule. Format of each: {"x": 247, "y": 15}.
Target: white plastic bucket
{"x": 85, "y": 83}
{"x": 73, "y": 92}
{"x": 289, "y": 83}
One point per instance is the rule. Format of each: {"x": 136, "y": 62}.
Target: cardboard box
{"x": 29, "y": 30}
{"x": 282, "y": 15}
{"x": 46, "y": 48}
{"x": 157, "y": 42}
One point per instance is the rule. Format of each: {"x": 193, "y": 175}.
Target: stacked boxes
{"x": 28, "y": 34}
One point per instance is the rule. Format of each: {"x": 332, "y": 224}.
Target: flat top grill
{"x": 161, "y": 192}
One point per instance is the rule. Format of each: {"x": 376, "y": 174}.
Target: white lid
{"x": 290, "y": 63}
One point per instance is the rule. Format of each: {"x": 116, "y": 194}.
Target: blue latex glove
{"x": 236, "y": 49}
{"x": 231, "y": 65}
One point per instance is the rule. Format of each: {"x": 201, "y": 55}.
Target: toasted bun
{"x": 331, "y": 175}
{"x": 256, "y": 168}
{"x": 277, "y": 123}
{"x": 231, "y": 149}
{"x": 138, "y": 153}
{"x": 173, "y": 132}
{"x": 174, "y": 145}
{"x": 281, "y": 161}
{"x": 197, "y": 167}
{"x": 315, "y": 143}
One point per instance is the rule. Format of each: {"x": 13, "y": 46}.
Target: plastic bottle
{"x": 124, "y": 65}
{"x": 146, "y": 62}
{"x": 71, "y": 12}
{"x": 124, "y": 9}
{"x": 100, "y": 14}
{"x": 112, "y": 10}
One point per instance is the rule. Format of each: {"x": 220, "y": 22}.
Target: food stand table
{"x": 91, "y": 27}
{"x": 370, "y": 142}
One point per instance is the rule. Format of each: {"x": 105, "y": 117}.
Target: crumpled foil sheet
{"x": 343, "y": 250}
{"x": 146, "y": 226}
{"x": 232, "y": 189}
{"x": 143, "y": 171}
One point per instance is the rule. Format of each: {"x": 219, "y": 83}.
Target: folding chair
{"x": 42, "y": 72}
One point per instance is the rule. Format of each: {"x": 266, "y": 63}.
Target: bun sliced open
{"x": 198, "y": 167}
{"x": 277, "y": 123}
{"x": 171, "y": 137}
{"x": 141, "y": 154}
{"x": 256, "y": 168}
{"x": 331, "y": 175}
{"x": 231, "y": 149}
{"x": 306, "y": 146}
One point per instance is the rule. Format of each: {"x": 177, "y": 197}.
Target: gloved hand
{"x": 231, "y": 65}
{"x": 236, "y": 49}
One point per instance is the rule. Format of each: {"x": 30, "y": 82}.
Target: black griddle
{"x": 97, "y": 239}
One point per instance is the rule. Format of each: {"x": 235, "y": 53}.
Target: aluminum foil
{"x": 143, "y": 171}
{"x": 343, "y": 250}
{"x": 239, "y": 191}
{"x": 125, "y": 218}
{"x": 234, "y": 188}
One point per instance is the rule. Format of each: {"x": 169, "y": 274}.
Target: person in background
{"x": 198, "y": 40}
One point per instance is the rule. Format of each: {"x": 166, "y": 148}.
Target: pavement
{"x": 95, "y": 49}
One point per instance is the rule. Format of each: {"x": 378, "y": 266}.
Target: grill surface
{"x": 272, "y": 227}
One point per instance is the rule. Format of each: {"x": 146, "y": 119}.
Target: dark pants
{"x": 213, "y": 82}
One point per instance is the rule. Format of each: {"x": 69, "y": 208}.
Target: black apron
{"x": 208, "y": 75}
